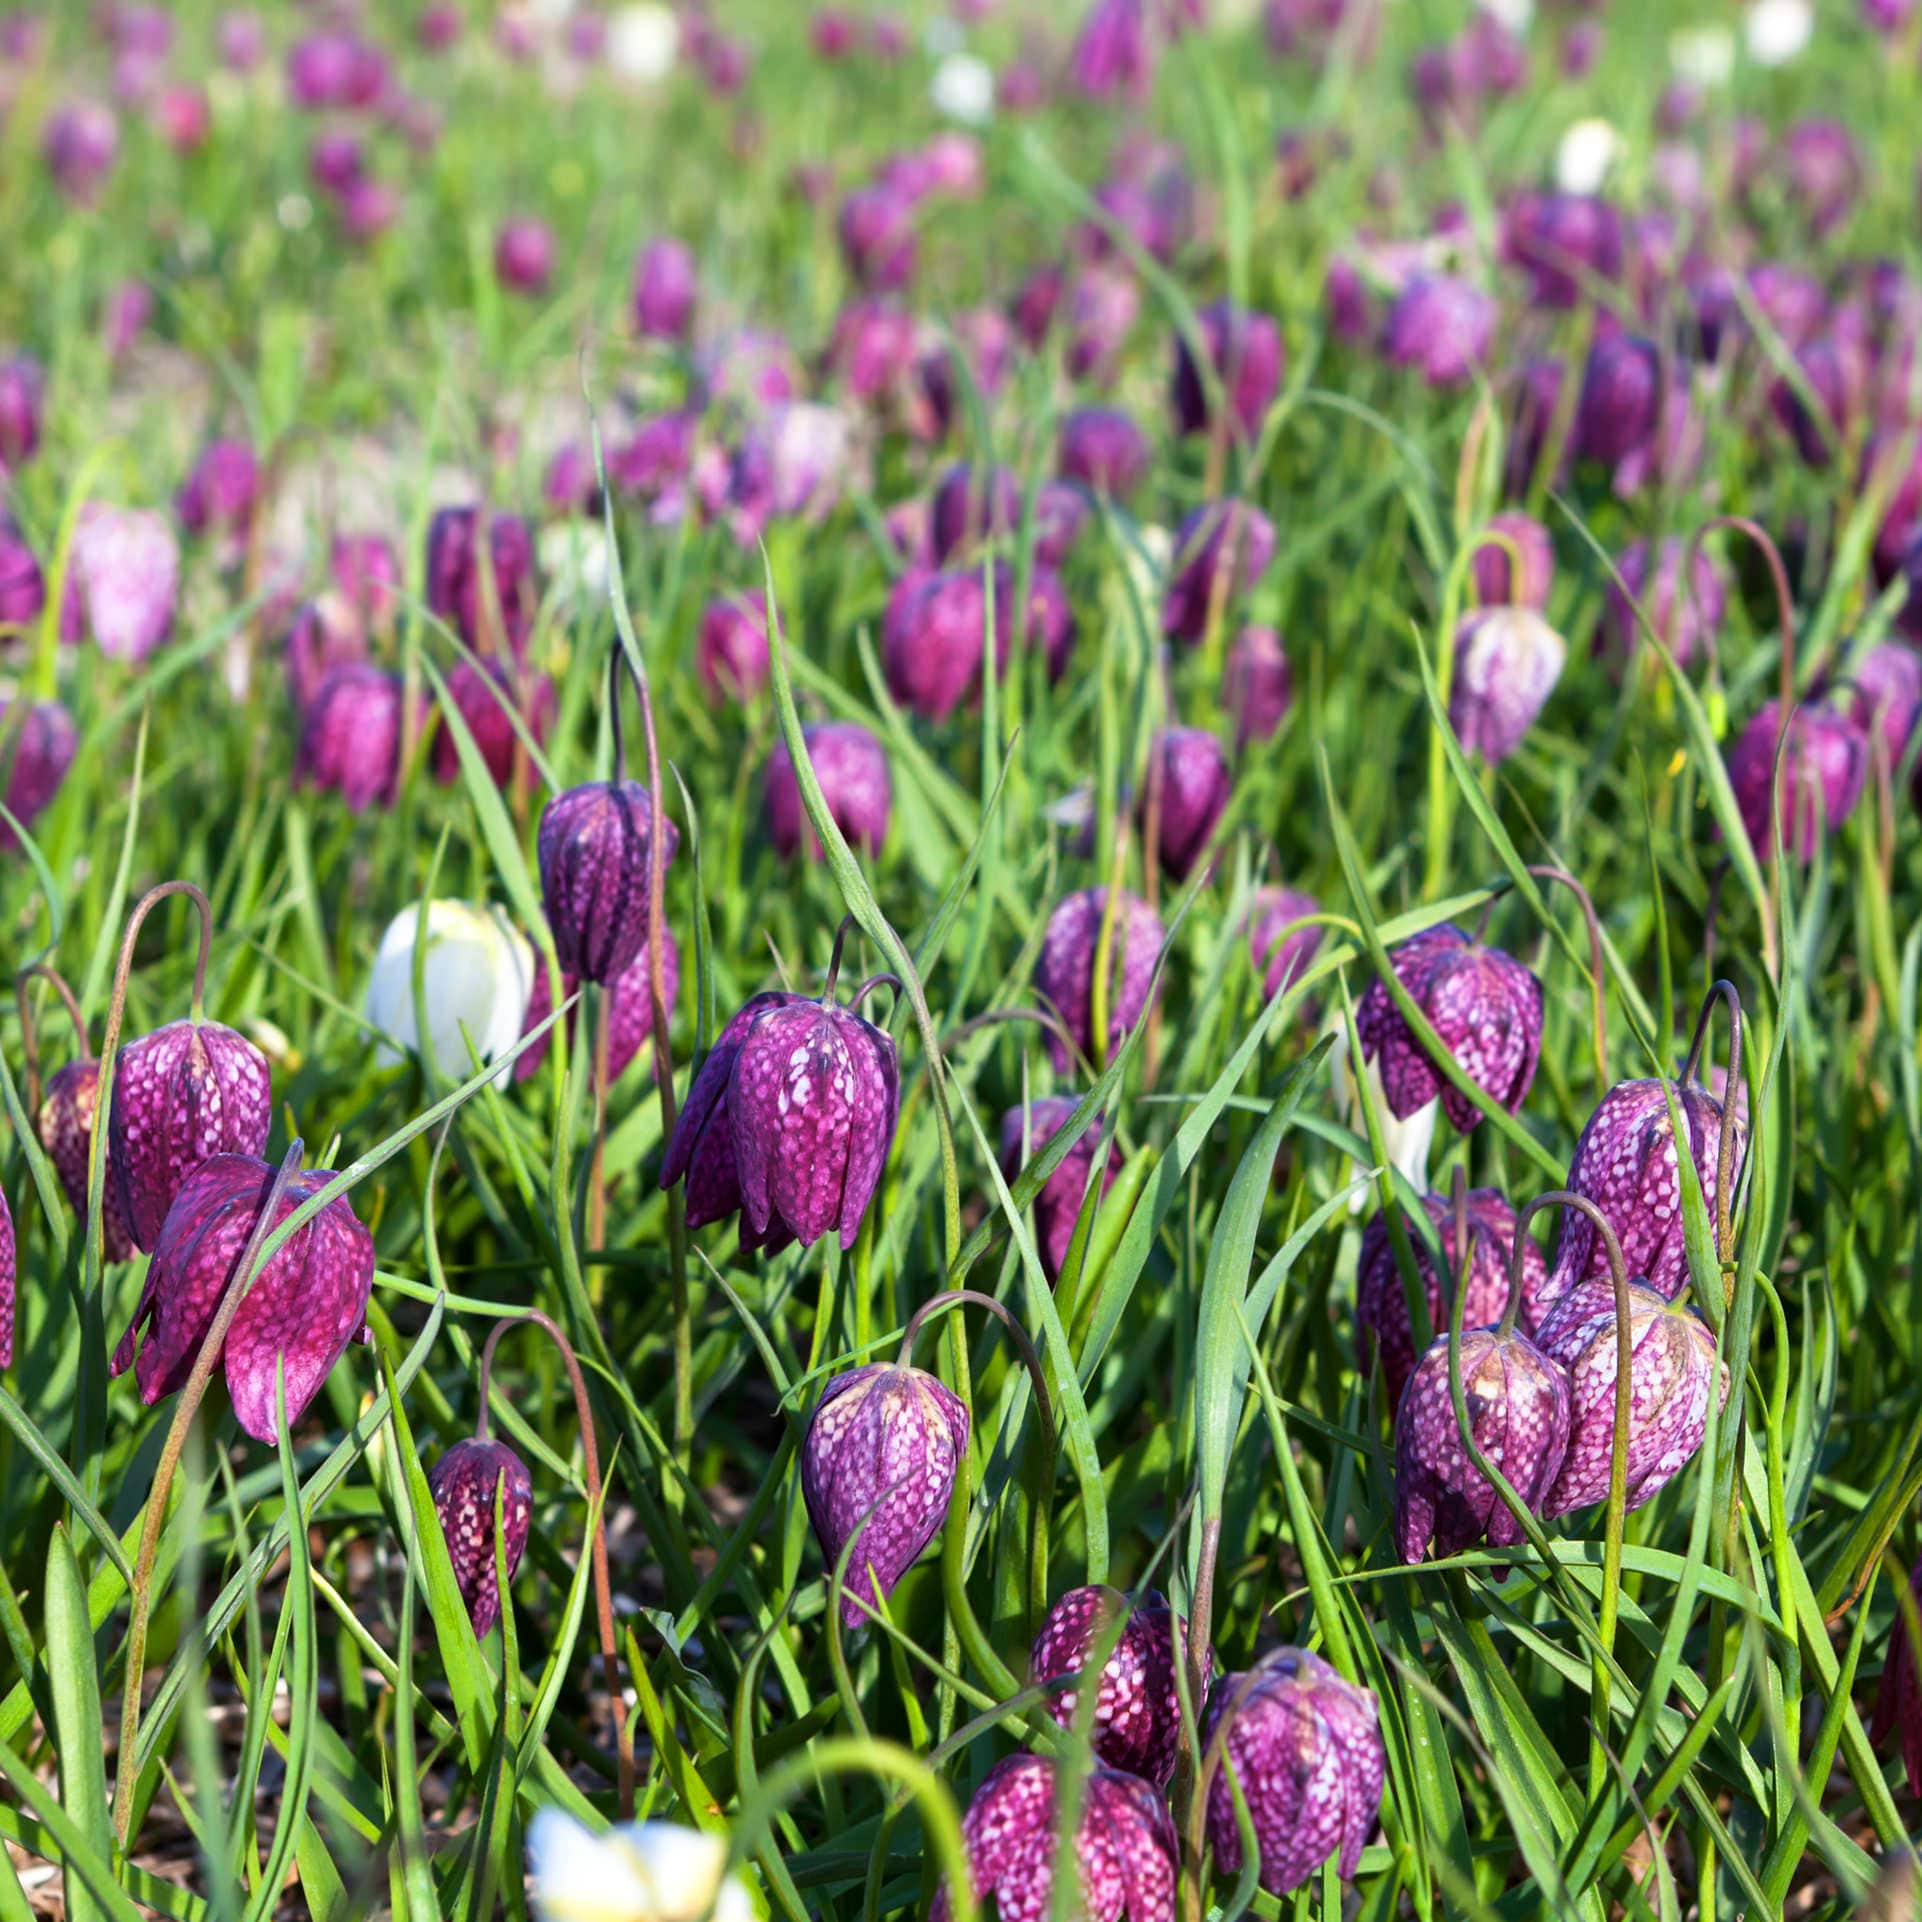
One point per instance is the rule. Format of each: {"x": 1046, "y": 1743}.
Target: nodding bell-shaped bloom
{"x": 1244, "y": 349}
{"x": 1485, "y": 1008}
{"x": 454, "y": 578}
{"x": 876, "y": 229}
{"x": 1111, "y": 57}
{"x": 325, "y": 634}
{"x": 666, "y": 284}
{"x": 1684, "y": 610}
{"x": 482, "y": 695}
{"x": 732, "y": 647}
{"x": 1278, "y": 955}
{"x": 852, "y": 768}
{"x": 1888, "y": 696}
{"x": 1507, "y": 661}
{"x": 972, "y": 504}
{"x": 80, "y": 145}
{"x": 1498, "y": 581}
{"x": 68, "y": 1104}
{"x": 1137, "y": 1712}
{"x": 1188, "y": 786}
{"x": 1562, "y": 243}
{"x": 1103, "y": 305}
{"x": 636, "y": 1871}
{"x": 1125, "y": 1855}
{"x": 1620, "y": 409}
{"x": 1625, "y": 1163}
{"x": 1103, "y": 450}
{"x": 218, "y": 497}
{"x": 37, "y": 747}
{"x": 22, "y": 395}
{"x": 6, "y": 1283}
{"x": 594, "y": 843}
{"x": 1257, "y": 684}
{"x": 466, "y": 1483}
{"x": 630, "y": 1014}
{"x": 1066, "y": 970}
{"x": 1058, "y": 1206}
{"x": 1672, "y": 1370}
{"x": 1307, "y": 1752}
{"x": 1382, "y": 1328}
{"x": 305, "y": 1308}
{"x": 1824, "y": 766}
{"x": 1442, "y": 326}
{"x": 124, "y": 574}
{"x": 1220, "y": 551}
{"x": 1518, "y": 1403}
{"x": 23, "y": 588}
{"x": 350, "y": 736}
{"x": 524, "y": 255}
{"x": 182, "y": 1095}
{"x": 933, "y": 637}
{"x": 1898, "y": 1701}
{"x": 476, "y": 976}
{"x": 366, "y": 573}
{"x": 877, "y": 1467}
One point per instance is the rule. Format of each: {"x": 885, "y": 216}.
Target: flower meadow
{"x": 964, "y": 960}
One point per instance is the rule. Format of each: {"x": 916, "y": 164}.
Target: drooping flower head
{"x": 1507, "y": 661}
{"x": 666, "y": 283}
{"x": 1066, "y": 970}
{"x": 68, "y": 1104}
{"x": 1823, "y": 768}
{"x": 486, "y": 695}
{"x": 350, "y": 733}
{"x": 732, "y": 646}
{"x": 1103, "y": 450}
{"x": 852, "y": 768}
{"x": 1441, "y": 325}
{"x": 37, "y": 746}
{"x": 218, "y": 497}
{"x": 124, "y": 574}
{"x": 1279, "y": 955}
{"x": 524, "y": 255}
{"x": 454, "y": 583}
{"x": 1244, "y": 351}
{"x": 1220, "y": 551}
{"x": 1058, "y": 1206}
{"x": 1188, "y": 788}
{"x": 594, "y": 853}
{"x": 630, "y": 1012}
{"x": 1257, "y": 684}
{"x": 464, "y": 1483}
{"x": 1685, "y": 608}
{"x": 1499, "y": 581}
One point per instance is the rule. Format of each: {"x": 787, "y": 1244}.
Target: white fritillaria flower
{"x": 1407, "y": 1141}
{"x": 1703, "y": 55}
{"x": 639, "y": 1872}
{"x": 1586, "y": 153}
{"x": 573, "y": 557}
{"x": 1777, "y": 31}
{"x": 476, "y": 977}
{"x": 1515, "y": 15}
{"x": 963, "y": 89}
{"x": 643, "y": 43}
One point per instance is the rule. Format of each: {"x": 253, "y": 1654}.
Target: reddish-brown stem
{"x": 834, "y": 959}
{"x": 1595, "y": 960}
{"x": 29, "y": 1036}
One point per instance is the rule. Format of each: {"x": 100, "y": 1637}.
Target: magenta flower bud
{"x": 366, "y": 570}
{"x": 1507, "y": 661}
{"x": 350, "y": 736}
{"x": 872, "y": 348}
{"x": 1065, "y": 972}
{"x": 570, "y": 486}
{"x": 219, "y": 495}
{"x": 324, "y": 70}
{"x": 1625, "y": 1163}
{"x": 80, "y": 145}
{"x": 1244, "y": 349}
{"x": 303, "y": 1310}
{"x": 1673, "y": 1365}
{"x": 23, "y": 588}
{"x": 1257, "y": 684}
{"x": 834, "y": 32}
{"x": 240, "y": 40}
{"x": 184, "y": 1094}
{"x": 1620, "y": 409}
{"x": 1824, "y": 767}
{"x": 524, "y": 255}
{"x": 1562, "y": 242}
{"x": 482, "y": 695}
{"x": 324, "y": 635}
{"x": 876, "y": 228}
{"x": 932, "y": 638}
{"x": 454, "y": 578}
{"x": 1125, "y": 1854}
{"x": 466, "y": 1483}
{"x": 1111, "y": 57}
{"x": 1441, "y": 325}
{"x": 22, "y": 396}
{"x": 1898, "y": 1699}
{"x": 972, "y": 505}
{"x": 1037, "y": 303}
{"x": 335, "y": 160}
{"x": 594, "y": 843}
{"x": 630, "y": 1012}
{"x": 1498, "y": 582}
{"x": 1822, "y": 170}
{"x": 1137, "y": 1711}
{"x": 732, "y": 648}
{"x": 1189, "y": 784}
{"x": 1383, "y": 1331}
{"x": 877, "y": 1467}
{"x": 1519, "y": 1413}
{"x": 1486, "y": 1010}
{"x": 1103, "y": 450}
{"x": 1888, "y": 695}
{"x": 36, "y": 752}
{"x": 1795, "y": 303}
{"x": 1684, "y": 611}
{"x": 1058, "y": 1205}
{"x": 852, "y": 768}
{"x": 1280, "y": 957}
{"x": 1837, "y": 374}
{"x": 184, "y": 116}
{"x": 1220, "y": 551}
{"x": 1890, "y": 17}
{"x": 1307, "y": 1753}
{"x": 68, "y": 1104}
{"x": 124, "y": 572}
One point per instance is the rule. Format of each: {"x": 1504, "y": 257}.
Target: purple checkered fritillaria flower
{"x": 1307, "y": 1754}
{"x": 731, "y": 649}
{"x": 36, "y": 750}
{"x": 876, "y": 229}
{"x": 1684, "y": 600}
{"x": 666, "y": 284}
{"x": 1519, "y": 1414}
{"x": 1619, "y": 413}
{"x": 68, "y": 1104}
{"x": 1382, "y": 1329}
{"x": 1111, "y": 56}
{"x": 972, "y": 504}
{"x": 454, "y": 590}
{"x": 1499, "y": 581}
{"x": 1244, "y": 349}
{"x": 933, "y": 637}
{"x": 1823, "y": 768}
{"x": 1887, "y": 680}
{"x": 1065, "y": 972}
{"x": 482, "y": 693}
{"x": 630, "y": 1011}
{"x": 1507, "y": 661}
{"x": 305, "y": 1307}
{"x": 1137, "y": 1710}
{"x": 1673, "y": 1369}
{"x": 219, "y": 496}
{"x": 1821, "y": 167}
{"x": 1835, "y": 370}
{"x": 1898, "y": 1699}
{"x": 594, "y": 843}
{"x": 1280, "y": 956}
{"x": 23, "y": 587}
{"x": 1058, "y": 1206}
{"x": 124, "y": 573}
{"x": 1187, "y": 790}
{"x": 877, "y": 1468}
{"x": 1486, "y": 1010}
{"x": 852, "y": 768}
{"x": 1257, "y": 684}
{"x": 324, "y": 634}
{"x": 524, "y": 255}
{"x": 1125, "y": 1855}
{"x": 22, "y": 398}
{"x": 465, "y": 1483}
{"x": 1561, "y": 242}
{"x": 1220, "y": 551}
{"x": 80, "y": 144}
{"x": 366, "y": 572}
{"x": 1103, "y": 450}
{"x": 1442, "y": 326}
{"x": 350, "y": 736}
